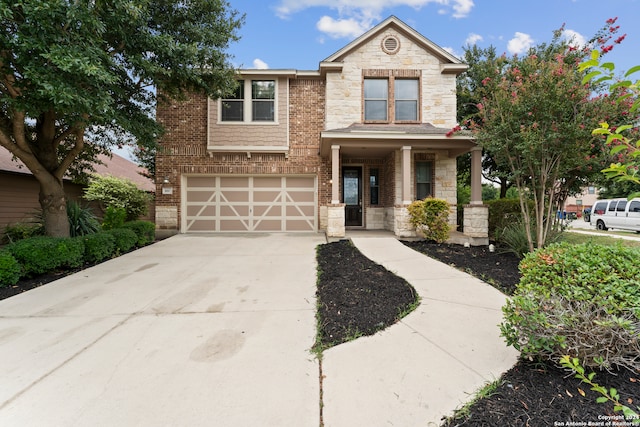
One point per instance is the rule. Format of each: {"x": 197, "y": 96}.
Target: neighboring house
{"x": 19, "y": 189}
{"x": 350, "y": 145}
{"x": 582, "y": 201}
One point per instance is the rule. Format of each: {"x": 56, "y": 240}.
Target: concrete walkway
{"x": 431, "y": 362}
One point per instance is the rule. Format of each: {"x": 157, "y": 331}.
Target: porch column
{"x": 335, "y": 174}
{"x": 406, "y": 175}
{"x": 476, "y": 176}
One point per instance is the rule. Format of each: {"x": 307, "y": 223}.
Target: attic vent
{"x": 391, "y": 45}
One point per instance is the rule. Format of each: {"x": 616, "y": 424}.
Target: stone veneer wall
{"x": 344, "y": 90}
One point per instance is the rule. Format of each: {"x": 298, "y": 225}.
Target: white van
{"x": 621, "y": 214}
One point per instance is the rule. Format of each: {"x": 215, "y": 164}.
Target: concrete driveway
{"x": 191, "y": 331}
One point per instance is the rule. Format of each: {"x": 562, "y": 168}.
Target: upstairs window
{"x": 376, "y": 95}
{"x": 233, "y": 106}
{"x": 259, "y": 97}
{"x": 263, "y": 95}
{"x": 391, "y": 100}
{"x": 406, "y": 100}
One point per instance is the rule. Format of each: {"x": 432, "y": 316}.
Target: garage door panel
{"x": 244, "y": 203}
{"x": 266, "y": 196}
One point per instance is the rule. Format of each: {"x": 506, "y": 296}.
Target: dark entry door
{"x": 352, "y": 195}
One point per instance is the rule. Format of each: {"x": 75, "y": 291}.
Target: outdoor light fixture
{"x": 167, "y": 188}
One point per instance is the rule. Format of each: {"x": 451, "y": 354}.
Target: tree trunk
{"x": 54, "y": 207}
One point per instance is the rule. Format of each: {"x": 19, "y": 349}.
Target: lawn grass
{"x": 577, "y": 238}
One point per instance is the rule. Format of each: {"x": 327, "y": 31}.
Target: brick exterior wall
{"x": 184, "y": 145}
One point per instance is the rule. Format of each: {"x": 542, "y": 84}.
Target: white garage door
{"x": 250, "y": 203}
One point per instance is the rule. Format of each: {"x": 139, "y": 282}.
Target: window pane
{"x": 239, "y": 92}
{"x": 407, "y": 110}
{"x": 373, "y": 186}
{"x": 423, "y": 191}
{"x": 376, "y": 88}
{"x": 232, "y": 111}
{"x": 423, "y": 172}
{"x": 621, "y": 206}
{"x": 263, "y": 89}
{"x": 263, "y": 111}
{"x": 406, "y": 89}
{"x": 375, "y": 110}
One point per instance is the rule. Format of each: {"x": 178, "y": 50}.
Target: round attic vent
{"x": 391, "y": 45}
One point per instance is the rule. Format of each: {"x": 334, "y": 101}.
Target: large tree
{"x": 535, "y": 118}
{"x": 77, "y": 76}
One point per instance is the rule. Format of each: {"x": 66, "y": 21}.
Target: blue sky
{"x": 299, "y": 34}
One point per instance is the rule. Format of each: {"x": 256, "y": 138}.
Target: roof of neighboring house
{"x": 115, "y": 166}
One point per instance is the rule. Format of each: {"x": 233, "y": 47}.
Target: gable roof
{"x": 450, "y": 64}
{"x": 116, "y": 166}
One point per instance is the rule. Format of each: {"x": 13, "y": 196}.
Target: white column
{"x": 335, "y": 174}
{"x": 406, "y": 175}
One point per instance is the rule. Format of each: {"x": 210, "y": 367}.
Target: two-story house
{"x": 349, "y": 145}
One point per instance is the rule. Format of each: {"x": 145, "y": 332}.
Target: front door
{"x": 352, "y": 195}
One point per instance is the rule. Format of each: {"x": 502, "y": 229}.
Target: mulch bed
{"x": 355, "y": 295}
{"x": 529, "y": 395}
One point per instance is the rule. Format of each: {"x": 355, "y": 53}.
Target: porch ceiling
{"x": 379, "y": 140}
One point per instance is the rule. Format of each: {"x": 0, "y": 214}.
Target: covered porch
{"x": 378, "y": 170}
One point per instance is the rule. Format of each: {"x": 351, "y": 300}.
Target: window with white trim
{"x": 252, "y": 101}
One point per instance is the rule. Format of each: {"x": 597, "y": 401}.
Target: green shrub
{"x": 577, "y": 300}
{"x": 82, "y": 221}
{"x": 114, "y": 217}
{"x": 22, "y": 230}
{"x": 431, "y": 217}
{"x": 503, "y": 212}
{"x": 10, "y": 270}
{"x": 98, "y": 246}
{"x": 145, "y": 230}
{"x": 42, "y": 254}
{"x": 514, "y": 237}
{"x": 119, "y": 193}
{"x": 125, "y": 239}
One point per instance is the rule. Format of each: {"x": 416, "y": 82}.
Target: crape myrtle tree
{"x": 78, "y": 76}
{"x": 534, "y": 117}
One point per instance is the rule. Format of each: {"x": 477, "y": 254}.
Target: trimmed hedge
{"x": 98, "y": 246}
{"x": 9, "y": 269}
{"x": 145, "y": 230}
{"x": 125, "y": 239}
{"x": 577, "y": 300}
{"x": 42, "y": 254}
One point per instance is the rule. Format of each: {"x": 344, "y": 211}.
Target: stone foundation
{"x": 335, "y": 221}
{"x": 166, "y": 217}
{"x": 402, "y": 225}
{"x": 476, "y": 224}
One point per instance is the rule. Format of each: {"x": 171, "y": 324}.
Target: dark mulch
{"x": 528, "y": 395}
{"x": 26, "y": 284}
{"x": 355, "y": 295}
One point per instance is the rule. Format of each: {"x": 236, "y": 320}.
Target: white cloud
{"x": 520, "y": 43}
{"x": 361, "y": 14}
{"x": 337, "y": 28}
{"x": 574, "y": 38}
{"x": 453, "y": 52}
{"x": 260, "y": 64}
{"x": 473, "y": 39}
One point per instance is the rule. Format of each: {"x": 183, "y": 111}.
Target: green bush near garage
{"x": 98, "y": 246}
{"x": 41, "y": 254}
{"x": 145, "y": 230}
{"x": 10, "y": 269}
{"x": 125, "y": 239}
